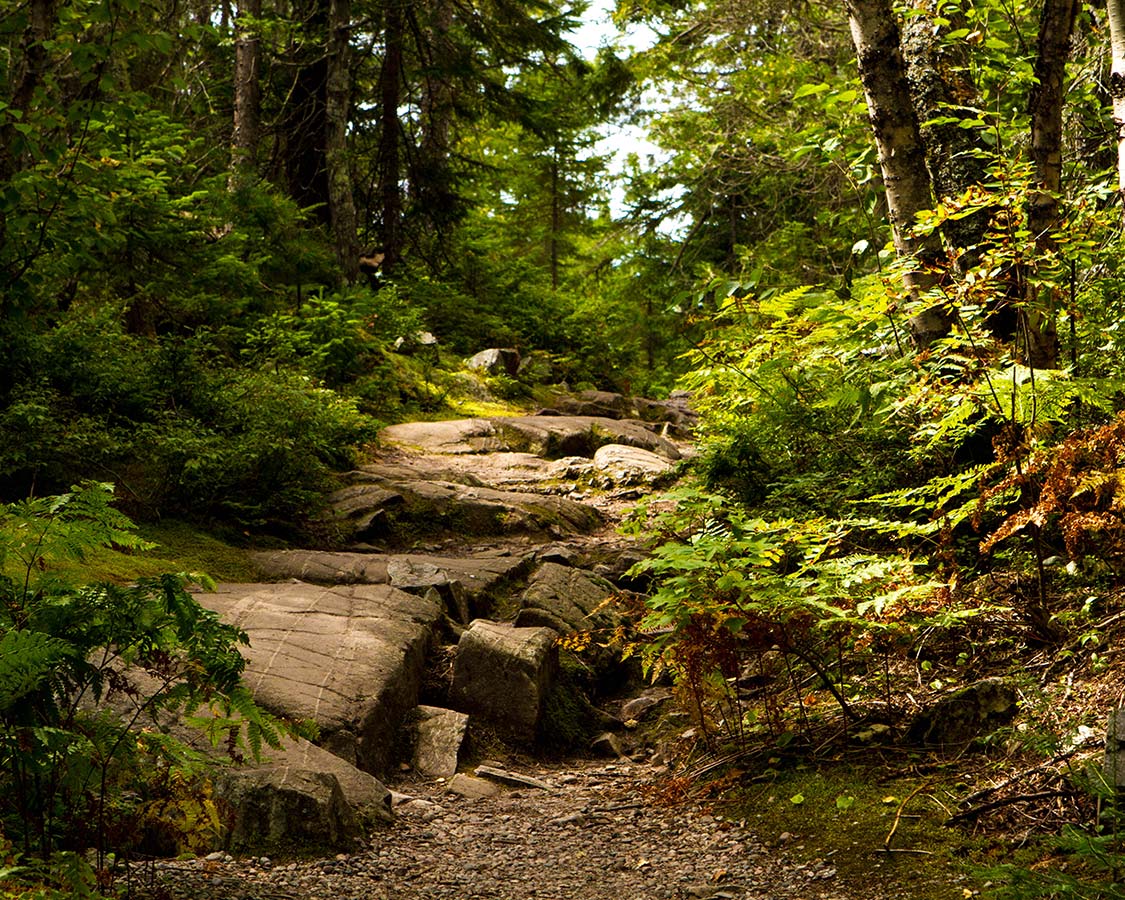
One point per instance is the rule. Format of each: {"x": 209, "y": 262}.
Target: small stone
{"x": 473, "y": 788}
{"x": 217, "y": 856}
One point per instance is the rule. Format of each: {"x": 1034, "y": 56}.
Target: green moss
{"x": 872, "y": 824}
{"x": 179, "y": 548}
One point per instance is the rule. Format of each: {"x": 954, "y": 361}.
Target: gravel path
{"x": 593, "y": 836}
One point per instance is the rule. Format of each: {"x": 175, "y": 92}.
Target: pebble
{"x": 590, "y": 838}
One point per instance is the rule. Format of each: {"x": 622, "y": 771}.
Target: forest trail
{"x": 593, "y": 834}
{"x": 578, "y": 829}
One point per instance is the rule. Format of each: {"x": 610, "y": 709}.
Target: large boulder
{"x": 504, "y": 675}
{"x": 566, "y": 600}
{"x": 283, "y": 812}
{"x": 973, "y": 711}
{"x": 616, "y": 464}
{"x": 496, "y": 361}
{"x": 300, "y": 796}
{"x": 350, "y": 657}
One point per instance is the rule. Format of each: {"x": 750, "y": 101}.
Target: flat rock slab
{"x": 350, "y": 658}
{"x": 473, "y": 788}
{"x": 546, "y": 436}
{"x": 674, "y": 411}
{"x": 514, "y": 779}
{"x": 434, "y": 507}
{"x": 479, "y": 574}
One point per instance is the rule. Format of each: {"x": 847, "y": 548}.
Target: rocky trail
{"x": 432, "y": 640}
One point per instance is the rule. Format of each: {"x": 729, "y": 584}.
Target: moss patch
{"x": 871, "y": 823}
{"x": 180, "y": 548}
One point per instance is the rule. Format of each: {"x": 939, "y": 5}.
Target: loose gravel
{"x": 594, "y": 835}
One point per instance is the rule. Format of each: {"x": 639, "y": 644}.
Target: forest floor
{"x": 878, "y": 822}
{"x": 601, "y": 831}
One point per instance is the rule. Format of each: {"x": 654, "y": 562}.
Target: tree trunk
{"x": 389, "y": 156}
{"x": 341, "y": 203}
{"x": 941, "y": 89}
{"x": 247, "y": 88}
{"x": 1056, "y": 25}
{"x": 303, "y": 124}
{"x": 902, "y": 156}
{"x": 556, "y": 220}
{"x": 1116, "y": 10}
{"x": 27, "y": 75}
{"x": 434, "y": 181}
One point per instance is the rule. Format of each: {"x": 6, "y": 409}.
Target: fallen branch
{"x": 898, "y": 815}
{"x": 977, "y": 811}
{"x": 1019, "y": 776}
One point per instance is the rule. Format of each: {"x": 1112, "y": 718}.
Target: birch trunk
{"x": 341, "y": 202}
{"x": 902, "y": 155}
{"x": 1116, "y": 10}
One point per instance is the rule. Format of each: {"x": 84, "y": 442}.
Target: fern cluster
{"x": 90, "y": 676}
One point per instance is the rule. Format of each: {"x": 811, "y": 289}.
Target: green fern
{"x": 28, "y": 659}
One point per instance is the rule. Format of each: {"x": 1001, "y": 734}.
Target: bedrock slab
{"x": 436, "y": 507}
{"x": 546, "y": 436}
{"x": 349, "y": 657}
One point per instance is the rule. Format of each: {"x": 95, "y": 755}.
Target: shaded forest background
{"x": 881, "y": 245}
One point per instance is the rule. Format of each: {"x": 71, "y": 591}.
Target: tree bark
{"x": 433, "y": 182}
{"x": 390, "y": 166}
{"x": 27, "y": 74}
{"x": 940, "y": 90}
{"x": 303, "y": 124}
{"x": 902, "y": 156}
{"x": 1116, "y": 10}
{"x": 341, "y": 202}
{"x": 1056, "y": 24}
{"x": 247, "y": 88}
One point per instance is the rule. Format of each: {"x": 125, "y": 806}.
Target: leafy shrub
{"x": 733, "y": 590}
{"x": 72, "y": 772}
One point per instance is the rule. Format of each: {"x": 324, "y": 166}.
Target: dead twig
{"x": 901, "y": 808}
{"x": 968, "y": 815}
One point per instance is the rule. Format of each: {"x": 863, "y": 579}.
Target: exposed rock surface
{"x": 548, "y": 436}
{"x": 566, "y": 599}
{"x": 504, "y": 674}
{"x": 377, "y": 514}
{"x": 496, "y": 361}
{"x": 617, "y": 464}
{"x": 499, "y": 514}
{"x": 438, "y": 736}
{"x": 973, "y": 711}
{"x": 349, "y": 657}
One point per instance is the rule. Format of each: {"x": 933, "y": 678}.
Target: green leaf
{"x": 807, "y": 90}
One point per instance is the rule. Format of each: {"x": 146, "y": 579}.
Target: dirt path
{"x": 595, "y": 835}
{"x": 595, "y": 830}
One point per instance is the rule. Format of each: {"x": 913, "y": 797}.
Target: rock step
{"x": 548, "y": 436}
